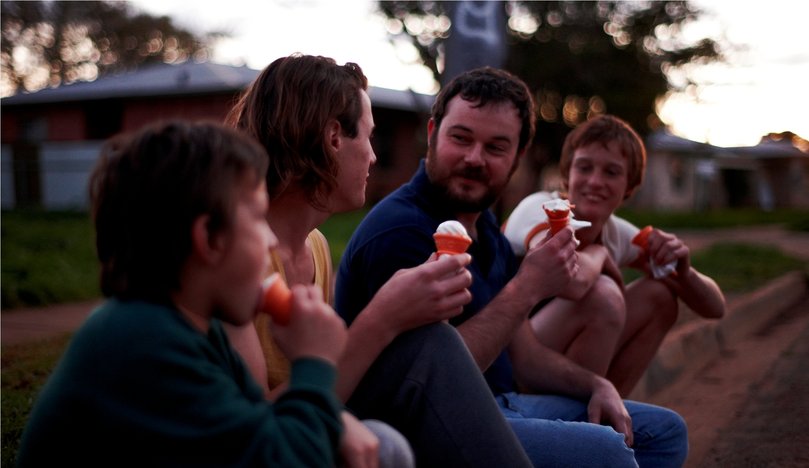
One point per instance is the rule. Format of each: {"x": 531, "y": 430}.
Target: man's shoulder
{"x": 397, "y": 210}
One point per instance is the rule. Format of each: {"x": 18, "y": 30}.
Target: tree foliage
{"x": 580, "y": 58}
{"x": 48, "y": 43}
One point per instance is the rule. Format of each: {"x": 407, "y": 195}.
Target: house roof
{"x": 662, "y": 140}
{"x": 769, "y": 148}
{"x": 188, "y": 78}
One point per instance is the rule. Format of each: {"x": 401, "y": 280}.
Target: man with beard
{"x": 564, "y": 415}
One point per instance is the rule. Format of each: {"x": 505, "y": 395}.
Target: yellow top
{"x": 277, "y": 363}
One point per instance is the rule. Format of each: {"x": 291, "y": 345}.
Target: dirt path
{"x": 748, "y": 406}
{"x": 21, "y": 325}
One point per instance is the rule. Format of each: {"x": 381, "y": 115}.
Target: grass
{"x": 26, "y": 367}
{"x": 793, "y": 219}
{"x": 740, "y": 268}
{"x": 338, "y": 230}
{"x": 48, "y": 257}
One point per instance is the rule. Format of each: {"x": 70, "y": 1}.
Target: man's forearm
{"x": 489, "y": 332}
{"x": 539, "y": 369}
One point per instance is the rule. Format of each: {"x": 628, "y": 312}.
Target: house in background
{"x": 51, "y": 138}
{"x": 684, "y": 175}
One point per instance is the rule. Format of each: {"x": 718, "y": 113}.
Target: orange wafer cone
{"x": 450, "y": 244}
{"x": 276, "y": 299}
{"x": 557, "y": 219}
{"x": 641, "y": 239}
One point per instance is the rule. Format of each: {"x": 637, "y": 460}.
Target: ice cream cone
{"x": 557, "y": 224}
{"x": 641, "y": 239}
{"x": 557, "y": 219}
{"x": 451, "y": 244}
{"x": 276, "y": 299}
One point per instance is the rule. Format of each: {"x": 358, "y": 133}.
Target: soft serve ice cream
{"x": 451, "y": 238}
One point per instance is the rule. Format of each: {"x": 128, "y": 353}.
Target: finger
{"x": 454, "y": 302}
{"x": 447, "y": 264}
{"x": 594, "y": 415}
{"x": 621, "y": 427}
{"x": 455, "y": 281}
{"x": 629, "y": 436}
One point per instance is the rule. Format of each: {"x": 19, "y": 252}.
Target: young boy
{"x": 597, "y": 322}
{"x": 150, "y": 379}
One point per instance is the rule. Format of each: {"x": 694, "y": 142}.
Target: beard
{"x": 462, "y": 202}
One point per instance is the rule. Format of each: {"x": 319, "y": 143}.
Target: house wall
{"x": 7, "y": 199}
{"x": 798, "y": 177}
{"x": 49, "y": 151}
{"x": 60, "y": 177}
{"x": 65, "y": 169}
{"x": 140, "y": 112}
{"x": 679, "y": 182}
{"x": 667, "y": 184}
{"x": 400, "y": 141}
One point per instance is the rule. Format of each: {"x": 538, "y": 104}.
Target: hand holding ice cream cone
{"x": 451, "y": 238}
{"x": 641, "y": 240}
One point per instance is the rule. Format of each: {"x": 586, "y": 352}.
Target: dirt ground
{"x": 748, "y": 406}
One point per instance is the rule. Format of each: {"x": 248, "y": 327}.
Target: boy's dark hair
{"x": 287, "y": 109}
{"x": 147, "y": 189}
{"x": 487, "y": 84}
{"x": 606, "y": 130}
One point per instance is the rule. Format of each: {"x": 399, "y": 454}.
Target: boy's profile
{"x": 151, "y": 379}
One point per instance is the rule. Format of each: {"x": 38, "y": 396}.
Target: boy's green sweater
{"x": 139, "y": 386}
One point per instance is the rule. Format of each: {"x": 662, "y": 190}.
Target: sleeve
{"x": 616, "y": 235}
{"x": 526, "y": 221}
{"x": 365, "y": 269}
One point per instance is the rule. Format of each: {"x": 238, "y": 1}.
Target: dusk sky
{"x": 762, "y": 87}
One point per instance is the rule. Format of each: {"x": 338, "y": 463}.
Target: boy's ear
{"x": 207, "y": 247}
{"x": 333, "y": 135}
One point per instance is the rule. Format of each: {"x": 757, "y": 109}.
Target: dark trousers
{"x": 427, "y": 386}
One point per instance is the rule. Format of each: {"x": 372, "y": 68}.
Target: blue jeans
{"x": 554, "y": 432}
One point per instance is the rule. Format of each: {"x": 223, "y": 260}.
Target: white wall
{"x": 64, "y": 171}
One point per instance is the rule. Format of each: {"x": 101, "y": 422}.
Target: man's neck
{"x": 469, "y": 221}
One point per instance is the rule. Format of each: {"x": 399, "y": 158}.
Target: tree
{"x": 49, "y": 43}
{"x": 580, "y": 58}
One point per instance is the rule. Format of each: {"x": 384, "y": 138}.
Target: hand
{"x": 359, "y": 447}
{"x": 547, "y": 268}
{"x": 607, "y": 406}
{"x": 431, "y": 292}
{"x": 666, "y": 248}
{"x": 314, "y": 329}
